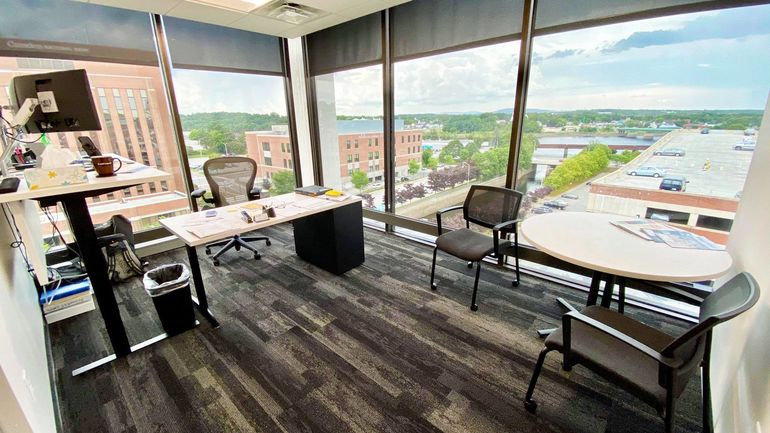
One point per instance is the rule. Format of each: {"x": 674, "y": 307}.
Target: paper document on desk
{"x": 684, "y": 239}
{"x": 313, "y": 203}
{"x": 642, "y": 227}
{"x": 206, "y": 230}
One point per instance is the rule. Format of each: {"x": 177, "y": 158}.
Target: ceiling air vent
{"x": 291, "y": 12}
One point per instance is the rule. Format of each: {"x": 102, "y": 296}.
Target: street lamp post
{"x": 468, "y": 179}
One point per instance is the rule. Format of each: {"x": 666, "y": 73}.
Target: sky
{"x": 709, "y": 60}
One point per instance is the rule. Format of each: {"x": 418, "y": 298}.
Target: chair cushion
{"x": 613, "y": 359}
{"x": 467, "y": 244}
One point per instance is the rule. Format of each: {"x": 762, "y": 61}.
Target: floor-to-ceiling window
{"x": 453, "y": 127}
{"x": 127, "y": 90}
{"x": 231, "y": 104}
{"x": 350, "y": 118}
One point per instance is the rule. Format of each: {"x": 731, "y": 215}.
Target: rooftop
{"x": 724, "y": 178}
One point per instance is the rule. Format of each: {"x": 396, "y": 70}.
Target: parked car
{"x": 746, "y": 146}
{"x": 670, "y": 151}
{"x": 647, "y": 171}
{"x": 542, "y": 209}
{"x": 557, "y": 204}
{"x": 674, "y": 183}
{"x": 570, "y": 196}
{"x": 704, "y": 131}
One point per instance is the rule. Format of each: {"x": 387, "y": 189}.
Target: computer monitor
{"x": 64, "y": 101}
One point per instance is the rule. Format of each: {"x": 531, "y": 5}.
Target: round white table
{"x": 591, "y": 241}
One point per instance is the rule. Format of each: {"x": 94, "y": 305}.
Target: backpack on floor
{"x": 116, "y": 238}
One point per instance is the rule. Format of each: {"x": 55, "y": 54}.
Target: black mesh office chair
{"x": 492, "y": 207}
{"x": 231, "y": 179}
{"x": 646, "y": 362}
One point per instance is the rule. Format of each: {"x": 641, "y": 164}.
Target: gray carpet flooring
{"x": 374, "y": 350}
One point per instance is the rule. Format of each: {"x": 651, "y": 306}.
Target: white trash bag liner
{"x": 165, "y": 279}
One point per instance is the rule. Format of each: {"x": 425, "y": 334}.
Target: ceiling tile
{"x": 255, "y": 23}
{"x": 153, "y": 6}
{"x": 361, "y": 10}
{"x": 313, "y": 26}
{"x": 205, "y": 14}
{"x": 337, "y": 5}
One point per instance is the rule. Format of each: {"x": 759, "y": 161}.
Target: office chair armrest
{"x": 568, "y": 317}
{"x": 501, "y": 228}
{"x": 442, "y": 211}
{"x": 103, "y": 241}
{"x": 255, "y": 193}
{"x": 201, "y": 193}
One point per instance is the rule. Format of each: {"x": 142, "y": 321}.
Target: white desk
{"x": 73, "y": 200}
{"x": 328, "y": 234}
{"x": 288, "y": 207}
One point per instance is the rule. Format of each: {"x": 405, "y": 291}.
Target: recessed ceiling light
{"x": 234, "y": 5}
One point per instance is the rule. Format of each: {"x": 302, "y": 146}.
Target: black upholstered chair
{"x": 231, "y": 179}
{"x": 492, "y": 207}
{"x": 644, "y": 361}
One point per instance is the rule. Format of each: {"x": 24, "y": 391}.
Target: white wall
{"x": 26, "y": 403}
{"x": 741, "y": 353}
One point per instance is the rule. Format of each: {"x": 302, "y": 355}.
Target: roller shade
{"x": 422, "y": 27}
{"x": 555, "y": 13}
{"x": 348, "y": 45}
{"x": 195, "y": 45}
{"x": 62, "y": 29}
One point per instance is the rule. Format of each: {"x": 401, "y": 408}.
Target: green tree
{"x": 528, "y": 144}
{"x": 451, "y": 152}
{"x": 217, "y": 139}
{"x": 492, "y": 163}
{"x": 427, "y": 154}
{"x": 432, "y": 163}
{"x": 414, "y": 166}
{"x": 586, "y": 164}
{"x": 359, "y": 179}
{"x": 283, "y": 182}
{"x": 467, "y": 152}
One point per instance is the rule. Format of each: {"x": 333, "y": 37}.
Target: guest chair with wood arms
{"x": 231, "y": 179}
{"x": 492, "y": 207}
{"x": 644, "y": 361}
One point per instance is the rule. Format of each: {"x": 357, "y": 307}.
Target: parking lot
{"x": 710, "y": 164}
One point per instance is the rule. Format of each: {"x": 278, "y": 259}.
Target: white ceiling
{"x": 339, "y": 11}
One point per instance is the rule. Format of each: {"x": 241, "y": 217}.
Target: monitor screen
{"x": 64, "y": 98}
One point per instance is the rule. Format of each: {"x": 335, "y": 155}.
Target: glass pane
{"x": 225, "y": 113}
{"x": 351, "y": 128}
{"x": 654, "y": 118}
{"x": 135, "y": 124}
{"x": 454, "y": 112}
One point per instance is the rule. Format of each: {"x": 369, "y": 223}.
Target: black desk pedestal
{"x": 332, "y": 240}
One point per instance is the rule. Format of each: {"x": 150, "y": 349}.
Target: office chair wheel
{"x": 530, "y": 405}
{"x": 515, "y": 283}
{"x": 470, "y": 265}
{"x": 216, "y": 262}
{"x": 474, "y": 307}
{"x": 237, "y": 247}
{"x": 433, "y": 286}
{"x": 268, "y": 243}
{"x": 257, "y": 256}
{"x": 208, "y": 251}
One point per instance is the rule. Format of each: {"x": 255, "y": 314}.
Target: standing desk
{"x": 328, "y": 234}
{"x": 73, "y": 199}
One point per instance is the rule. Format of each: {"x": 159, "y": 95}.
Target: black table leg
{"x": 609, "y": 288}
{"x": 200, "y": 291}
{"x": 593, "y": 294}
{"x": 83, "y": 229}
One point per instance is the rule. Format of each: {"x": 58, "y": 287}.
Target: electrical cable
{"x": 55, "y": 231}
{"x": 18, "y": 242}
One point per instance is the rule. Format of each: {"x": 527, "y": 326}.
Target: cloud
{"x": 736, "y": 23}
{"x": 563, "y": 53}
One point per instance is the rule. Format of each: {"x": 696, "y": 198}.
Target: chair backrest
{"x": 733, "y": 298}
{"x": 488, "y": 206}
{"x": 230, "y": 178}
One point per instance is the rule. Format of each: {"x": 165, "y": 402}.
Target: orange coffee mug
{"x": 105, "y": 165}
